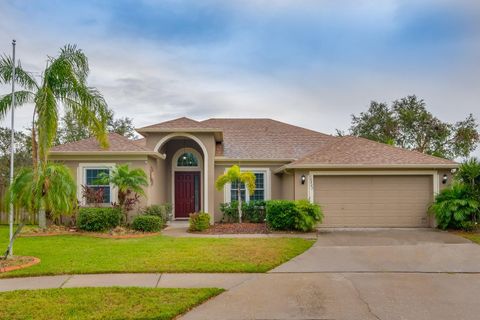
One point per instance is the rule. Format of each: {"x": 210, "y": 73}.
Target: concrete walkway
{"x": 150, "y": 280}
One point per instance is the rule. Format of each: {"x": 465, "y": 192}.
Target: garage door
{"x": 374, "y": 201}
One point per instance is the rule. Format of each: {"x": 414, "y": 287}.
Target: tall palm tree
{"x": 63, "y": 84}
{"x": 235, "y": 175}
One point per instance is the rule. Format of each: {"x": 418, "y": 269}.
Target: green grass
{"x": 72, "y": 254}
{"x": 472, "y": 236}
{"x": 100, "y": 303}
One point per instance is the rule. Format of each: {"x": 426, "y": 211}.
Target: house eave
{"x": 367, "y": 166}
{"x": 107, "y": 153}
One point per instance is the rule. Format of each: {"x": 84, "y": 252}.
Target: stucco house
{"x": 358, "y": 182}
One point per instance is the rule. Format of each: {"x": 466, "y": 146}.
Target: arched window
{"x": 187, "y": 159}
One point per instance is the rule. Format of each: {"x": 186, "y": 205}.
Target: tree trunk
{"x": 42, "y": 219}
{"x": 34, "y": 149}
{"x": 239, "y": 192}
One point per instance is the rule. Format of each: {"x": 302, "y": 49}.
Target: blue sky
{"x": 311, "y": 63}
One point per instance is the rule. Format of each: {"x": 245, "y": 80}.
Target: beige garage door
{"x": 374, "y": 201}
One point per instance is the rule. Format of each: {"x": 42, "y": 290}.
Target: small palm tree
{"x": 127, "y": 182}
{"x": 63, "y": 83}
{"x": 235, "y": 175}
{"x": 51, "y": 189}
{"x": 469, "y": 174}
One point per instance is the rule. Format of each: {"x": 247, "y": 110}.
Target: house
{"x": 358, "y": 182}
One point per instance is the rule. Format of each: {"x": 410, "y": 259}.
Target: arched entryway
{"x": 187, "y": 172}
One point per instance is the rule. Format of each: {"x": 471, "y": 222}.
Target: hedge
{"x": 147, "y": 223}
{"x": 298, "y": 215}
{"x": 98, "y": 219}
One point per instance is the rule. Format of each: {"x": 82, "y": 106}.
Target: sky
{"x": 306, "y": 62}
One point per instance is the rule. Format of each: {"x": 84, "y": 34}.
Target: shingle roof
{"x": 117, "y": 143}
{"x": 265, "y": 139}
{"x": 183, "y": 123}
{"x": 351, "y": 150}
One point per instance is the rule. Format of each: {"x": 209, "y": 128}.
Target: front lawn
{"x": 70, "y": 254}
{"x": 101, "y": 303}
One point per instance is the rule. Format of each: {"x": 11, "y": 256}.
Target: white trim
{"x": 367, "y": 166}
{"x": 205, "y": 165}
{"x": 266, "y": 184}
{"x": 312, "y": 174}
{"x": 81, "y": 179}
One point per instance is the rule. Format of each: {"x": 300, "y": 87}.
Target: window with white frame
{"x": 260, "y": 192}
{"x": 92, "y": 176}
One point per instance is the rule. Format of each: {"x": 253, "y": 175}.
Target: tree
{"x": 408, "y": 124}
{"x": 71, "y": 129}
{"x": 128, "y": 182}
{"x": 51, "y": 188}
{"x": 235, "y": 175}
{"x": 63, "y": 84}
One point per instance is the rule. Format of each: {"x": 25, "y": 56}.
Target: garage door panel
{"x": 374, "y": 201}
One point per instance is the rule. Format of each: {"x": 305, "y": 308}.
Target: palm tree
{"x": 127, "y": 182}
{"x": 63, "y": 84}
{"x": 235, "y": 175}
{"x": 51, "y": 189}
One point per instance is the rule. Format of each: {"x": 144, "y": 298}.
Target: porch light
{"x": 444, "y": 179}
{"x": 303, "y": 179}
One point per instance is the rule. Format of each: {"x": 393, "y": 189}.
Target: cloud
{"x": 311, "y": 63}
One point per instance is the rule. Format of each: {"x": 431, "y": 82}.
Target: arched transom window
{"x": 187, "y": 159}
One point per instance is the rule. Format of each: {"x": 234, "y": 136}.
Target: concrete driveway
{"x": 382, "y": 274}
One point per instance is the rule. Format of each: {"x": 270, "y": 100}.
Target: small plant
{"x": 163, "y": 211}
{"x": 309, "y": 214}
{"x": 199, "y": 221}
{"x": 253, "y": 211}
{"x": 92, "y": 196}
{"x": 147, "y": 223}
{"x": 98, "y": 219}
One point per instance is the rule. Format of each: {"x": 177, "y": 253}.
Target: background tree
{"x": 235, "y": 175}
{"x": 71, "y": 128}
{"x": 408, "y": 124}
{"x": 63, "y": 84}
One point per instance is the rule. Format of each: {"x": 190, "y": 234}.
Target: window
{"x": 187, "y": 159}
{"x": 91, "y": 181}
{"x": 259, "y": 193}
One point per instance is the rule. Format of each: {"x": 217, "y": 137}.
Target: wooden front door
{"x": 187, "y": 193}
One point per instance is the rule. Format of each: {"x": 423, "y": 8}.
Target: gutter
{"x": 367, "y": 166}
{"x": 108, "y": 153}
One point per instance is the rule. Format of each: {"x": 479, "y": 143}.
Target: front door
{"x": 187, "y": 193}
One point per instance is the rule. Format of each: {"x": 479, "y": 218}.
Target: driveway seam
{"x": 66, "y": 280}
{"x": 361, "y": 298}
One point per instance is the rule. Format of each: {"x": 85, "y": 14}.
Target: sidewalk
{"x": 150, "y": 280}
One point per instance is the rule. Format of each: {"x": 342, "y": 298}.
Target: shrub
{"x": 281, "y": 214}
{"x": 454, "y": 206}
{"x": 163, "y": 211}
{"x": 147, "y": 223}
{"x": 253, "y": 211}
{"x": 98, "y": 219}
{"x": 293, "y": 215}
{"x": 309, "y": 214}
{"x": 199, "y": 221}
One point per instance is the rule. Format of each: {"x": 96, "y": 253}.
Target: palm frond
{"x": 21, "y": 97}
{"x": 47, "y": 120}
{"x": 22, "y": 77}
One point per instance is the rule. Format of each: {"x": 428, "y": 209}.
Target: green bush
{"x": 163, "y": 211}
{"x": 455, "y": 206}
{"x": 298, "y": 215}
{"x": 147, "y": 223}
{"x": 199, "y": 221}
{"x": 98, "y": 219}
{"x": 253, "y": 211}
{"x": 281, "y": 214}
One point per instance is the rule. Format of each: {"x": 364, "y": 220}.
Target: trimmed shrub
{"x": 98, "y": 219}
{"x": 253, "y": 211}
{"x": 199, "y": 221}
{"x": 298, "y": 215}
{"x": 163, "y": 211}
{"x": 281, "y": 214}
{"x": 147, "y": 223}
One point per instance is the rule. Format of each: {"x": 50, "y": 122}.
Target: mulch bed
{"x": 117, "y": 233}
{"x": 234, "y": 228}
{"x": 17, "y": 262}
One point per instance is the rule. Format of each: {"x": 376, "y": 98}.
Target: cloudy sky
{"x": 310, "y": 63}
